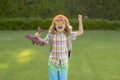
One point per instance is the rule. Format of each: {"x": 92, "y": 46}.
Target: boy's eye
{"x": 56, "y": 22}
{"x": 62, "y": 22}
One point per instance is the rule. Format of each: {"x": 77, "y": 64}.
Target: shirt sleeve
{"x": 74, "y": 35}
{"x": 46, "y": 39}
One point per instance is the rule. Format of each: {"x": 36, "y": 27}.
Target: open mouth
{"x": 59, "y": 27}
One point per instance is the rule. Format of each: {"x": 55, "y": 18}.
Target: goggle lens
{"x": 59, "y": 22}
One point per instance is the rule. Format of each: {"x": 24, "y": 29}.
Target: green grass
{"x": 95, "y": 56}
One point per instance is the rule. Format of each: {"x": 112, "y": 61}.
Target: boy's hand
{"x": 37, "y": 35}
{"x": 80, "y": 30}
{"x": 79, "y": 17}
{"x": 40, "y": 30}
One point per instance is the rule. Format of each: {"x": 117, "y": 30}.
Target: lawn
{"x": 95, "y": 56}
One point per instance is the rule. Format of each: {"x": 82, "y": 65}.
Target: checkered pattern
{"x": 59, "y": 53}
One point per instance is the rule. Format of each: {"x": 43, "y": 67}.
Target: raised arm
{"x": 80, "y": 29}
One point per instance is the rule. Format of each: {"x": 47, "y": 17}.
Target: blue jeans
{"x": 57, "y": 72}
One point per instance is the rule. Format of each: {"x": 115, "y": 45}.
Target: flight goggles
{"x": 59, "y": 22}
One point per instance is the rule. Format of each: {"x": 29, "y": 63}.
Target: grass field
{"x": 95, "y": 56}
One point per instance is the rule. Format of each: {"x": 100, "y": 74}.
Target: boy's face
{"x": 60, "y": 25}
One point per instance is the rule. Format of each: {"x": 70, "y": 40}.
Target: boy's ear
{"x": 67, "y": 24}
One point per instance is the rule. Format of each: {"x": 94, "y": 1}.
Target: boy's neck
{"x": 59, "y": 32}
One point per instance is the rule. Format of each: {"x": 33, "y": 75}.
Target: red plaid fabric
{"x": 59, "y": 54}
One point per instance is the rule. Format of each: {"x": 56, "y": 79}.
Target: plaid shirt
{"x": 59, "y": 54}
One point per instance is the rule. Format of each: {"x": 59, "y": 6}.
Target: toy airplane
{"x": 34, "y": 39}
